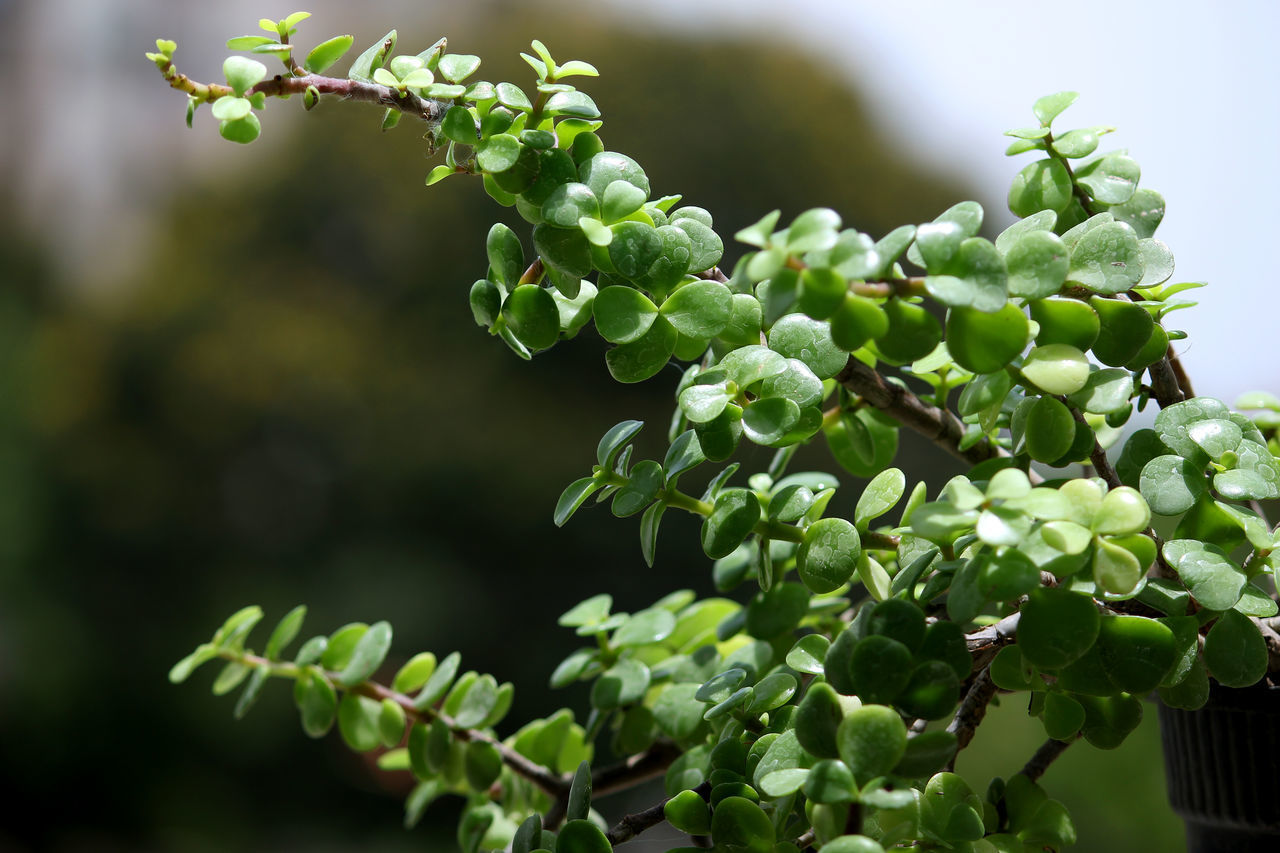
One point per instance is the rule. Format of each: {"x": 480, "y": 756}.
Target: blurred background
{"x": 249, "y": 375}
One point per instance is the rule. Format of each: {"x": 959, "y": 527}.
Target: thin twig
{"x": 550, "y": 782}
{"x": 634, "y": 824}
{"x": 985, "y": 642}
{"x": 938, "y": 425}
{"x": 1045, "y": 755}
{"x": 428, "y": 110}
{"x": 972, "y": 710}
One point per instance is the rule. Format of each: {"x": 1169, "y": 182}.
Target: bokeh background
{"x": 249, "y": 375}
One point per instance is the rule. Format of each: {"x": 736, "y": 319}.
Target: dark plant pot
{"x": 1221, "y": 765}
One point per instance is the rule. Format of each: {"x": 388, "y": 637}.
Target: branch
{"x": 430, "y": 111}
{"x": 550, "y": 782}
{"x": 634, "y": 824}
{"x": 972, "y": 710}
{"x": 1045, "y": 755}
{"x": 939, "y": 426}
{"x": 984, "y": 643}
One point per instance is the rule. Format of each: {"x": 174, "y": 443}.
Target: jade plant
{"x": 820, "y": 700}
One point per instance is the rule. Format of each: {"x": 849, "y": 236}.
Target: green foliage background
{"x": 291, "y": 404}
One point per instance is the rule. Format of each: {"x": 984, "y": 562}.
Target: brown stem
{"x": 1045, "y": 755}
{"x": 634, "y": 824}
{"x": 986, "y": 642}
{"x": 550, "y": 782}
{"x": 972, "y": 710}
{"x": 426, "y": 109}
{"x": 938, "y": 425}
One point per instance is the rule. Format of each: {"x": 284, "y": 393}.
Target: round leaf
{"x": 828, "y": 556}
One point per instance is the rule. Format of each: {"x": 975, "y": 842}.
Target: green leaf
{"x": 984, "y": 343}
{"x": 456, "y": 67}
{"x": 317, "y": 702}
{"x": 759, "y": 233}
{"x": 621, "y": 199}
{"x": 1234, "y": 651}
{"x": 439, "y": 682}
{"x": 1171, "y": 484}
{"x": 634, "y": 248}
{"x": 1043, "y": 185}
{"x": 369, "y": 653}
{"x": 532, "y": 316}
{"x": 700, "y": 309}
{"x": 800, "y": 337}
{"x": 688, "y": 812}
{"x": 1077, "y": 143}
{"x": 1211, "y": 577}
{"x": 358, "y": 722}
{"x": 583, "y": 836}
{"x": 326, "y": 53}
{"x": 623, "y": 314}
{"x": 611, "y": 444}
{"x": 828, "y": 556}
{"x": 1038, "y": 265}
{"x": 506, "y": 257}
{"x": 608, "y": 166}
{"x": 249, "y": 42}
{"x": 623, "y": 683}
{"x": 574, "y": 103}
{"x": 740, "y": 826}
{"x": 284, "y": 632}
{"x": 498, "y": 153}
{"x": 242, "y": 131}
{"x": 807, "y": 655}
{"x": 573, "y": 497}
{"x": 231, "y": 109}
{"x": 1050, "y": 430}
{"x": 1136, "y": 652}
{"x": 872, "y": 740}
{"x": 879, "y": 669}
{"x": 1107, "y": 259}
{"x": 415, "y": 672}
{"x": 734, "y": 514}
{"x": 243, "y": 73}
{"x": 372, "y": 58}
{"x": 1048, "y": 108}
{"x": 1104, "y": 392}
{"x": 645, "y": 357}
{"x": 926, "y": 754}
{"x": 1111, "y": 179}
{"x": 1065, "y": 321}
{"x": 881, "y": 495}
{"x": 478, "y": 702}
{"x": 642, "y": 488}
{"x": 815, "y": 229}
{"x": 1057, "y": 368}
{"x": 1057, "y": 627}
{"x": 459, "y": 125}
{"x": 768, "y": 420}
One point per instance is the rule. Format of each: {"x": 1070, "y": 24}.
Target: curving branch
{"x": 427, "y": 110}
{"x": 938, "y": 425}
{"x": 633, "y": 824}
{"x": 1044, "y": 756}
{"x": 546, "y": 779}
{"x": 972, "y": 710}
